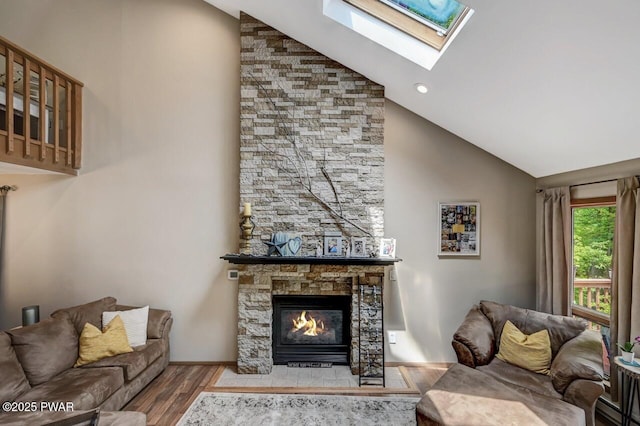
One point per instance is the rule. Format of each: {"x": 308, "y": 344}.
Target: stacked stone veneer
{"x": 302, "y": 113}
{"x": 257, "y": 285}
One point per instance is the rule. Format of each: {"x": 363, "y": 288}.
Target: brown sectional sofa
{"x": 567, "y": 395}
{"x": 36, "y": 362}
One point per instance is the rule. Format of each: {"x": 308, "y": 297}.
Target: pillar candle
{"x": 30, "y": 315}
{"x": 247, "y": 209}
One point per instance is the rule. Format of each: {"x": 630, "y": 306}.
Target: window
{"x": 441, "y": 15}
{"x": 429, "y": 21}
{"x": 593, "y": 230}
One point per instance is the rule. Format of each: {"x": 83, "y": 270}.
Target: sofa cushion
{"x": 86, "y": 388}
{"x": 45, "y": 349}
{"x": 96, "y": 345}
{"x": 560, "y": 328}
{"x": 516, "y": 376}
{"x": 107, "y": 418}
{"x": 123, "y": 418}
{"x": 88, "y": 313}
{"x": 529, "y": 351}
{"x": 467, "y": 396}
{"x": 47, "y": 418}
{"x": 135, "y": 323}
{"x": 580, "y": 358}
{"x": 132, "y": 363}
{"x": 13, "y": 382}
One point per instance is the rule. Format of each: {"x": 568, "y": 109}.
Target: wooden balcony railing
{"x": 40, "y": 113}
{"x": 592, "y": 294}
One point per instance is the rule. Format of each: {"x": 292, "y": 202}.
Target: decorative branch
{"x": 333, "y": 188}
{"x": 303, "y": 178}
{"x": 290, "y": 134}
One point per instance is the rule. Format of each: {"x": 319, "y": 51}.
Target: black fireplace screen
{"x": 311, "y": 328}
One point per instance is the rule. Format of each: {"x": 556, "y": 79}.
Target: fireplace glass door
{"x": 311, "y": 329}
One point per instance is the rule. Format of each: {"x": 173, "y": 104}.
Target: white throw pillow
{"x": 135, "y": 323}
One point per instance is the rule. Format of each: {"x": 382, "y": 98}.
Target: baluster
{"x": 67, "y": 121}
{"x": 56, "y": 119}
{"x": 581, "y": 296}
{"x": 9, "y": 99}
{"x": 43, "y": 113}
{"x": 77, "y": 123}
{"x": 26, "y": 102}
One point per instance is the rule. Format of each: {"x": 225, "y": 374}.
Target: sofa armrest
{"x": 474, "y": 341}
{"x": 584, "y": 394}
{"x": 578, "y": 358}
{"x": 158, "y": 319}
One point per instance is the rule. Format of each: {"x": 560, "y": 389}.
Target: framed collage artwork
{"x": 459, "y": 228}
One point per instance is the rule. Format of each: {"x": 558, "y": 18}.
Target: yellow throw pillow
{"x": 532, "y": 351}
{"x": 95, "y": 345}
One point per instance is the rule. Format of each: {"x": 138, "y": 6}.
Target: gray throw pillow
{"x": 46, "y": 349}
{"x": 88, "y": 313}
{"x": 14, "y": 382}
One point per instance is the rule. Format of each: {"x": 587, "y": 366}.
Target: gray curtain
{"x": 554, "y": 258}
{"x": 625, "y": 285}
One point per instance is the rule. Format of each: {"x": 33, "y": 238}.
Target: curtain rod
{"x": 593, "y": 183}
{"x": 583, "y": 184}
{"x": 590, "y": 183}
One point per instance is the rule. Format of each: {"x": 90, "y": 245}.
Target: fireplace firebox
{"x": 311, "y": 329}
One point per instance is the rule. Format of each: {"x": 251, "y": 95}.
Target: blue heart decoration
{"x": 294, "y": 245}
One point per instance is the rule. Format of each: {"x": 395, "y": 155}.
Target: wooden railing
{"x": 591, "y": 293}
{"x": 40, "y": 113}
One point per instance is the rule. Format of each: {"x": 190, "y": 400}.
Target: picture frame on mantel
{"x": 358, "y": 247}
{"x": 387, "y": 248}
{"x": 458, "y": 228}
{"x": 332, "y": 244}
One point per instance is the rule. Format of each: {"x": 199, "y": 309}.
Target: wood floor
{"x": 167, "y": 398}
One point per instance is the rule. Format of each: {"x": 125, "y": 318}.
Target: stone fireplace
{"x": 311, "y": 163}
{"x": 261, "y": 283}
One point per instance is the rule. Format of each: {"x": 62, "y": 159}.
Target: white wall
{"x": 425, "y": 164}
{"x": 156, "y": 202}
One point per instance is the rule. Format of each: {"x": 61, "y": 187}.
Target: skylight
{"x": 430, "y": 21}
{"x": 395, "y": 30}
{"x": 441, "y": 15}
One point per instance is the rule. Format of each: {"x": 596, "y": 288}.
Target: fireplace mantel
{"x": 240, "y": 259}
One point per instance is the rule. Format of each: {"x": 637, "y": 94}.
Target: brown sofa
{"x": 36, "y": 362}
{"x": 575, "y": 379}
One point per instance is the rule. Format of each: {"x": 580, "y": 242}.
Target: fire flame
{"x": 310, "y": 326}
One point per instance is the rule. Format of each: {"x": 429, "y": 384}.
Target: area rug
{"x": 211, "y": 408}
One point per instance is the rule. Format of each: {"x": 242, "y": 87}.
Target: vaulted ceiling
{"x": 547, "y": 86}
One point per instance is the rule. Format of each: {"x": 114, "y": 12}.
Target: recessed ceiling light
{"x": 420, "y": 87}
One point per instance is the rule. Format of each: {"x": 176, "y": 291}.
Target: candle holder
{"x": 246, "y": 228}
